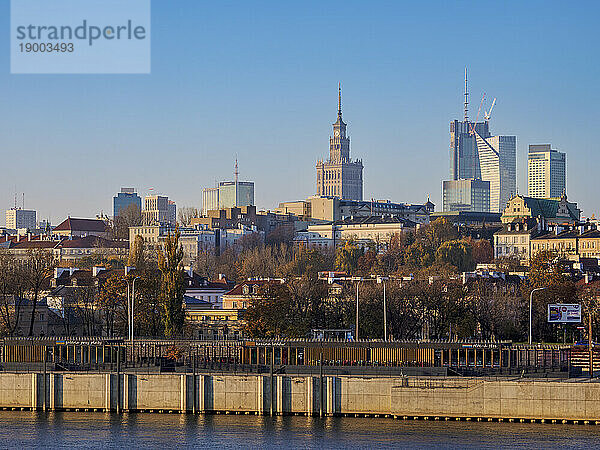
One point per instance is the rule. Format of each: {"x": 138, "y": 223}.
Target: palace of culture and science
{"x": 339, "y": 176}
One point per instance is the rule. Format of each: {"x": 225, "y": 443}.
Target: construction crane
{"x": 488, "y": 114}
{"x": 472, "y": 130}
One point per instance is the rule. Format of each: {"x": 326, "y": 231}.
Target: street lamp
{"x": 130, "y": 308}
{"x": 358, "y": 279}
{"x": 383, "y": 280}
{"x": 531, "y": 312}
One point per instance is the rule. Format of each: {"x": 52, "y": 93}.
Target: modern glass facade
{"x": 498, "y": 161}
{"x": 232, "y": 194}
{"x": 123, "y": 199}
{"x": 464, "y": 157}
{"x": 466, "y": 195}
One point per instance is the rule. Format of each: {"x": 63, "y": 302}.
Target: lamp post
{"x": 383, "y": 280}
{"x": 531, "y": 312}
{"x": 357, "y": 285}
{"x": 130, "y": 301}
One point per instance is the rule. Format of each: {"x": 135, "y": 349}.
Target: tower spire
{"x": 339, "y": 99}
{"x": 466, "y": 97}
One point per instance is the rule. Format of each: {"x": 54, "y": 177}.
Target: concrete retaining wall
{"x": 399, "y": 397}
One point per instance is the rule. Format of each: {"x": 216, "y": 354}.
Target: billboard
{"x": 564, "y": 313}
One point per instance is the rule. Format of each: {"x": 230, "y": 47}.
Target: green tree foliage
{"x": 172, "y": 286}
{"x": 458, "y": 253}
{"x": 347, "y": 256}
{"x": 419, "y": 254}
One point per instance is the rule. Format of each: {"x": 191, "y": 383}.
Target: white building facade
{"x": 546, "y": 172}
{"x": 17, "y": 218}
{"x": 498, "y": 161}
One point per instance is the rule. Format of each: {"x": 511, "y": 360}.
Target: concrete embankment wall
{"x": 406, "y": 396}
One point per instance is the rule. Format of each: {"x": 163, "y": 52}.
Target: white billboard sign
{"x": 564, "y": 313}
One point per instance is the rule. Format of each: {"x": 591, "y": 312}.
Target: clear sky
{"x": 259, "y": 80}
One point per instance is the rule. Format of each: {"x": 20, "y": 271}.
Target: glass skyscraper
{"x": 123, "y": 199}
{"x": 498, "y": 161}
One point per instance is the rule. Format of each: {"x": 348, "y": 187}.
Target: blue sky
{"x": 259, "y": 80}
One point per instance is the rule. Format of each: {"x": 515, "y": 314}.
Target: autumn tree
{"x": 131, "y": 216}
{"x": 12, "y": 293}
{"x": 347, "y": 256}
{"x": 458, "y": 253}
{"x": 482, "y": 251}
{"x": 112, "y": 301}
{"x": 185, "y": 215}
{"x": 39, "y": 267}
{"x": 172, "y": 286}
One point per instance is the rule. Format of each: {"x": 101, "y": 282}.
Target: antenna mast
{"x": 466, "y": 97}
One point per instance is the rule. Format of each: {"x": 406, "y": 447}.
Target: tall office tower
{"x": 498, "y": 161}
{"x": 17, "y": 218}
{"x": 464, "y": 191}
{"x": 210, "y": 199}
{"x": 546, "y": 172}
{"x": 123, "y": 199}
{"x": 464, "y": 158}
{"x": 466, "y": 195}
{"x": 339, "y": 176}
{"x": 228, "y": 194}
{"x": 159, "y": 210}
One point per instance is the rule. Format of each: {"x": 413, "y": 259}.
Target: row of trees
{"x": 97, "y": 308}
{"x": 435, "y": 248}
{"x": 21, "y": 285}
{"x": 484, "y": 309}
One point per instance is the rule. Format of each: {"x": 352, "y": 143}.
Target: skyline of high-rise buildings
{"x": 498, "y": 162}
{"x": 482, "y": 166}
{"x": 228, "y": 194}
{"x": 546, "y": 172}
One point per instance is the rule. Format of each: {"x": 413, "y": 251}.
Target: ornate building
{"x": 339, "y": 176}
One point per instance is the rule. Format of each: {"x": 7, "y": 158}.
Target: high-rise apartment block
{"x": 17, "y": 218}
{"x": 498, "y": 162}
{"x": 124, "y": 199}
{"x": 159, "y": 210}
{"x": 339, "y": 176}
{"x": 466, "y": 195}
{"x": 546, "y": 172}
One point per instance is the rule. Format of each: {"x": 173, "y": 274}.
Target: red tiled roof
{"x": 92, "y": 242}
{"x": 238, "y": 289}
{"x": 90, "y": 225}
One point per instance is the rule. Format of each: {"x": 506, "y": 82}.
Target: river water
{"x": 99, "y": 430}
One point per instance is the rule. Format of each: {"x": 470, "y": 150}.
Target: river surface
{"x": 100, "y": 430}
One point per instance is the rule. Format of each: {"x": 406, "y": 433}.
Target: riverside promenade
{"x": 430, "y": 398}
